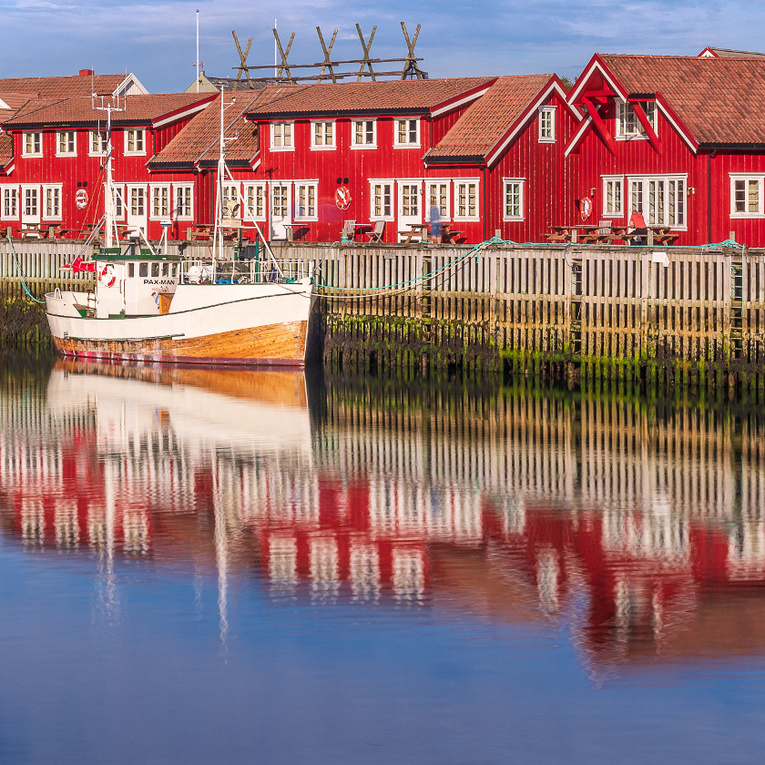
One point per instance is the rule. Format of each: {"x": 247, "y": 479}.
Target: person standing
{"x": 435, "y": 224}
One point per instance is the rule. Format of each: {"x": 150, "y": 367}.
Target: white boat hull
{"x": 205, "y": 324}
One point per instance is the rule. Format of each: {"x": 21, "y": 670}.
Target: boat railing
{"x": 241, "y": 271}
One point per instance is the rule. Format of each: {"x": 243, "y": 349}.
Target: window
{"x": 281, "y": 136}
{"x": 466, "y": 200}
{"x": 231, "y": 208}
{"x": 364, "y": 134}
{"x": 613, "y": 206}
{"x": 381, "y": 200}
{"x": 627, "y": 123}
{"x": 438, "y": 196}
{"x": 409, "y": 199}
{"x": 160, "y": 201}
{"x": 280, "y": 200}
{"x": 407, "y": 133}
{"x": 99, "y": 140}
{"x": 547, "y": 124}
{"x": 255, "y": 201}
{"x": 32, "y": 145}
{"x": 31, "y": 207}
{"x": 65, "y": 143}
{"x": 52, "y": 202}
{"x": 323, "y": 135}
{"x": 134, "y": 142}
{"x": 137, "y": 201}
{"x": 119, "y": 202}
{"x": 10, "y": 202}
{"x": 746, "y": 196}
{"x": 513, "y": 196}
{"x": 184, "y": 209}
{"x": 661, "y": 199}
{"x": 305, "y": 201}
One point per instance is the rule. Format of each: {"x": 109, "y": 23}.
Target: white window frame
{"x": 366, "y": 131}
{"x": 306, "y": 190}
{"x": 517, "y": 186}
{"x": 279, "y": 133}
{"x": 31, "y": 144}
{"x": 55, "y": 191}
{"x": 156, "y": 192}
{"x": 409, "y": 143}
{"x": 255, "y": 194}
{"x": 746, "y": 179}
{"x": 129, "y": 196}
{"x": 231, "y": 193}
{"x": 70, "y": 137}
{"x": 187, "y": 190}
{"x": 386, "y": 208}
{"x": 25, "y": 188}
{"x": 10, "y": 207}
{"x": 120, "y": 200}
{"x": 323, "y": 134}
{"x": 613, "y": 189}
{"x": 98, "y": 140}
{"x": 139, "y": 136}
{"x": 547, "y": 124}
{"x": 658, "y": 191}
{"x": 467, "y": 183}
{"x": 444, "y": 198}
{"x": 628, "y": 126}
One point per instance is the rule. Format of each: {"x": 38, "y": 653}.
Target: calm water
{"x": 224, "y": 566}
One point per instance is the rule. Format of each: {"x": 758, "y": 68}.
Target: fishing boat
{"x": 151, "y": 306}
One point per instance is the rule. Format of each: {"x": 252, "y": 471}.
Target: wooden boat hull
{"x": 249, "y": 329}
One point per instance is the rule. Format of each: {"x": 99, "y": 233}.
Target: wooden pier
{"x": 669, "y": 316}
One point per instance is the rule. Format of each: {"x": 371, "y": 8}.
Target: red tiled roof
{"x": 386, "y": 97}
{"x": 488, "y": 119}
{"x": 141, "y": 109}
{"x": 14, "y": 102}
{"x": 714, "y": 97}
{"x": 6, "y": 149}
{"x": 63, "y": 87}
{"x": 198, "y": 141}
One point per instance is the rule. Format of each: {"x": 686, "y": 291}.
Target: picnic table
{"x": 200, "y": 232}
{"x": 662, "y": 235}
{"x": 417, "y": 232}
{"x": 450, "y": 235}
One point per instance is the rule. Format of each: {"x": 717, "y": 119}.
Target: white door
{"x": 409, "y": 204}
{"x": 281, "y": 210}
{"x": 30, "y": 205}
{"x": 136, "y": 207}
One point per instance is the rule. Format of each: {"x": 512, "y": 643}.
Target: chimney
{"x": 86, "y": 72}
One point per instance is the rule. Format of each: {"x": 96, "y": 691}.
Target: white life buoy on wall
{"x": 343, "y": 197}
{"x": 81, "y": 199}
{"x": 106, "y": 275}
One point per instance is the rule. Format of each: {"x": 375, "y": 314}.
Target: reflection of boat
{"x": 147, "y": 306}
{"x": 265, "y": 408}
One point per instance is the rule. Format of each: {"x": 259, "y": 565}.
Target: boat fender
{"x": 106, "y": 275}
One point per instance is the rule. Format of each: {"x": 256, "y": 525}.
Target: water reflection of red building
{"x": 129, "y": 460}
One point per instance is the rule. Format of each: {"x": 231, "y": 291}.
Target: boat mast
{"x": 218, "y": 231}
{"x": 109, "y": 198}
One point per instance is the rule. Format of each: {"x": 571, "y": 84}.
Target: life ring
{"x": 81, "y": 199}
{"x": 343, "y": 197}
{"x": 106, "y": 275}
{"x": 585, "y": 207}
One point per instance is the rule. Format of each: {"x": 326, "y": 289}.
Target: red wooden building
{"x": 681, "y": 139}
{"x": 499, "y": 170}
{"x": 55, "y": 174}
{"x": 332, "y": 153}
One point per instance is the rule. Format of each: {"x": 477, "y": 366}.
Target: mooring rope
{"x": 21, "y": 273}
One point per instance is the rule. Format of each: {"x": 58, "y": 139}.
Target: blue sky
{"x": 155, "y": 39}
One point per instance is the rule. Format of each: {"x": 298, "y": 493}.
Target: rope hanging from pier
{"x": 21, "y": 273}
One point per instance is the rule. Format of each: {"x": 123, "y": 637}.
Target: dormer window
{"x": 407, "y": 133}
{"x": 627, "y": 123}
{"x": 32, "y": 145}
